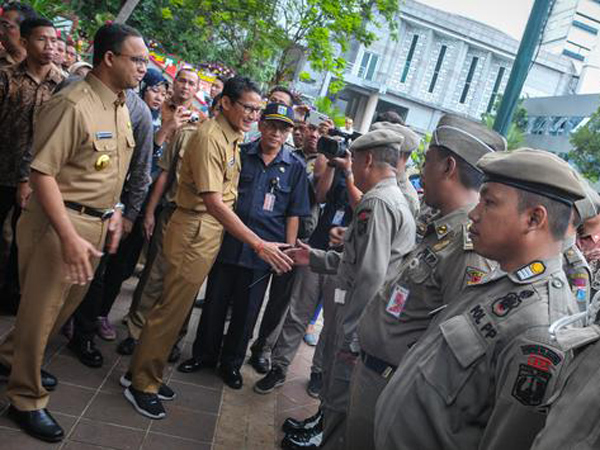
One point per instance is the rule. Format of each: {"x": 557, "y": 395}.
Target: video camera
{"x": 336, "y": 148}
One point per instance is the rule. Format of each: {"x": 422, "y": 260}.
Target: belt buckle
{"x": 107, "y": 214}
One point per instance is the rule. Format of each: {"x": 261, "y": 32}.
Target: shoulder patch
{"x": 530, "y": 270}
{"x": 474, "y": 275}
{"x": 535, "y": 352}
{"x": 531, "y": 385}
{"x": 363, "y": 221}
{"x": 504, "y": 305}
{"x": 467, "y": 243}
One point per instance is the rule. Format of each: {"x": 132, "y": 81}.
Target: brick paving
{"x": 90, "y": 406}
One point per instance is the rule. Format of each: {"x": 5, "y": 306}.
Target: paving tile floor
{"x": 90, "y": 406}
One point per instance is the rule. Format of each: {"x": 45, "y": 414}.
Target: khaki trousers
{"x": 150, "y": 286}
{"x": 365, "y": 388}
{"x": 47, "y": 300}
{"x": 191, "y": 244}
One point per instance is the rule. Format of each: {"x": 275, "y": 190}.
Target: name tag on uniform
{"x": 104, "y": 135}
{"x": 397, "y": 301}
{"x": 269, "y": 203}
{"x": 339, "y": 297}
{"x": 338, "y": 217}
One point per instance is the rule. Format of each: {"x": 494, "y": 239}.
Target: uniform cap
{"x": 468, "y": 139}
{"x": 589, "y": 206}
{"x": 536, "y": 171}
{"x": 387, "y": 136}
{"x": 411, "y": 139}
{"x": 276, "y": 111}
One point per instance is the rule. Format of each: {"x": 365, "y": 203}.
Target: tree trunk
{"x": 126, "y": 11}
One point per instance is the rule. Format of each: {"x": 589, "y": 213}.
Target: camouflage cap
{"x": 468, "y": 139}
{"x": 536, "y": 171}
{"x": 411, "y": 139}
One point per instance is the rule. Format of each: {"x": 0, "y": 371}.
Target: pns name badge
{"x": 104, "y": 135}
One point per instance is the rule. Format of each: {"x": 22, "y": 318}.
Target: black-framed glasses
{"x": 141, "y": 61}
{"x": 249, "y": 109}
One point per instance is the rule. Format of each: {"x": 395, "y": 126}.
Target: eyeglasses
{"x": 140, "y": 61}
{"x": 249, "y": 109}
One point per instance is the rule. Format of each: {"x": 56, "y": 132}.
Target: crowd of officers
{"x": 462, "y": 321}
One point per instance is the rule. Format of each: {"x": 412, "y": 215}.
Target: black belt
{"x": 103, "y": 214}
{"x": 379, "y": 366}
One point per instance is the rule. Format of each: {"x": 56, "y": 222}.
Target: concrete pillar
{"x": 367, "y": 117}
{"x": 360, "y": 110}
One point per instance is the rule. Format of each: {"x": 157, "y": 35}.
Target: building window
{"x": 368, "y": 65}
{"x": 573, "y": 55}
{"x": 584, "y": 27}
{"x": 465, "y": 92}
{"x": 409, "y": 57}
{"x": 496, "y": 88}
{"x": 438, "y": 66}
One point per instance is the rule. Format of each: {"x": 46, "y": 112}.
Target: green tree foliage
{"x": 586, "y": 148}
{"x": 516, "y": 130}
{"x": 325, "y": 106}
{"x": 263, "y": 39}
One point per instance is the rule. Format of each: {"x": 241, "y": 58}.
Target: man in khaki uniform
{"x": 482, "y": 373}
{"x": 150, "y": 286}
{"x": 381, "y": 233}
{"x": 205, "y": 198}
{"x": 82, "y": 145}
{"x": 433, "y": 274}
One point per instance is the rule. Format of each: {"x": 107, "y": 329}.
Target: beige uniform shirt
{"x": 432, "y": 276}
{"x": 481, "y": 375}
{"x": 381, "y": 234}
{"x": 211, "y": 163}
{"x": 83, "y": 138}
{"x": 410, "y": 193}
{"x": 170, "y": 161}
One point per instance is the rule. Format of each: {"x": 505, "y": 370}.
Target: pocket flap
{"x": 463, "y": 340}
{"x": 105, "y": 145}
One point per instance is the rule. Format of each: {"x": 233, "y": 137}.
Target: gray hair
{"x": 386, "y": 154}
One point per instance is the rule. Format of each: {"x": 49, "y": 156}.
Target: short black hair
{"x": 110, "y": 38}
{"x": 221, "y": 78}
{"x": 235, "y": 87}
{"x": 469, "y": 176}
{"x": 25, "y": 11}
{"x": 389, "y": 116}
{"x": 285, "y": 90}
{"x": 215, "y": 101}
{"x": 28, "y": 25}
{"x": 559, "y": 214}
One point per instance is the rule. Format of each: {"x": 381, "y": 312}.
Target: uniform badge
{"x": 531, "y": 270}
{"x": 104, "y": 135}
{"x": 441, "y": 245}
{"x": 467, "y": 242}
{"x": 363, "y": 221}
{"x": 231, "y": 162}
{"x": 510, "y": 301}
{"x": 474, "y": 275}
{"x": 429, "y": 257}
{"x": 102, "y": 162}
{"x": 531, "y": 385}
{"x": 282, "y": 169}
{"x": 397, "y": 301}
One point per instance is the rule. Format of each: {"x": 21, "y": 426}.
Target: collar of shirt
{"x": 107, "y": 96}
{"x": 537, "y": 270}
{"x": 284, "y": 155}
{"x": 230, "y": 134}
{"x": 569, "y": 242}
{"x": 444, "y": 225}
{"x": 53, "y": 74}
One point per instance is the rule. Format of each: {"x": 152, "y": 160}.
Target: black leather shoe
{"x": 39, "y": 424}
{"x": 49, "y": 381}
{"x": 194, "y": 365}
{"x": 231, "y": 377}
{"x": 260, "y": 363}
{"x": 86, "y": 352}
{"x": 126, "y": 346}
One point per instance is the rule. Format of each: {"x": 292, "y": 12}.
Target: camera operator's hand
{"x": 344, "y": 163}
{"x": 325, "y": 126}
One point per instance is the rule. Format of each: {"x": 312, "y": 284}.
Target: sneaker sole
{"x": 268, "y": 391}
{"x": 124, "y": 382}
{"x": 143, "y": 412}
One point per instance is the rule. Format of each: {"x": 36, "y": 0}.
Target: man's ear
{"x": 226, "y": 103}
{"x": 537, "y": 218}
{"x": 450, "y": 167}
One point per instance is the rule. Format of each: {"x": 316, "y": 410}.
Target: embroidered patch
{"x": 531, "y": 385}
{"x": 474, "y": 275}
{"x": 531, "y": 270}
{"x": 363, "y": 221}
{"x": 441, "y": 245}
{"x": 397, "y": 301}
{"x": 484, "y": 325}
{"x": 540, "y": 356}
{"x": 510, "y": 301}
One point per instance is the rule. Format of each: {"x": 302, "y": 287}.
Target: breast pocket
{"x": 421, "y": 266}
{"x": 105, "y": 145}
{"x": 448, "y": 369}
